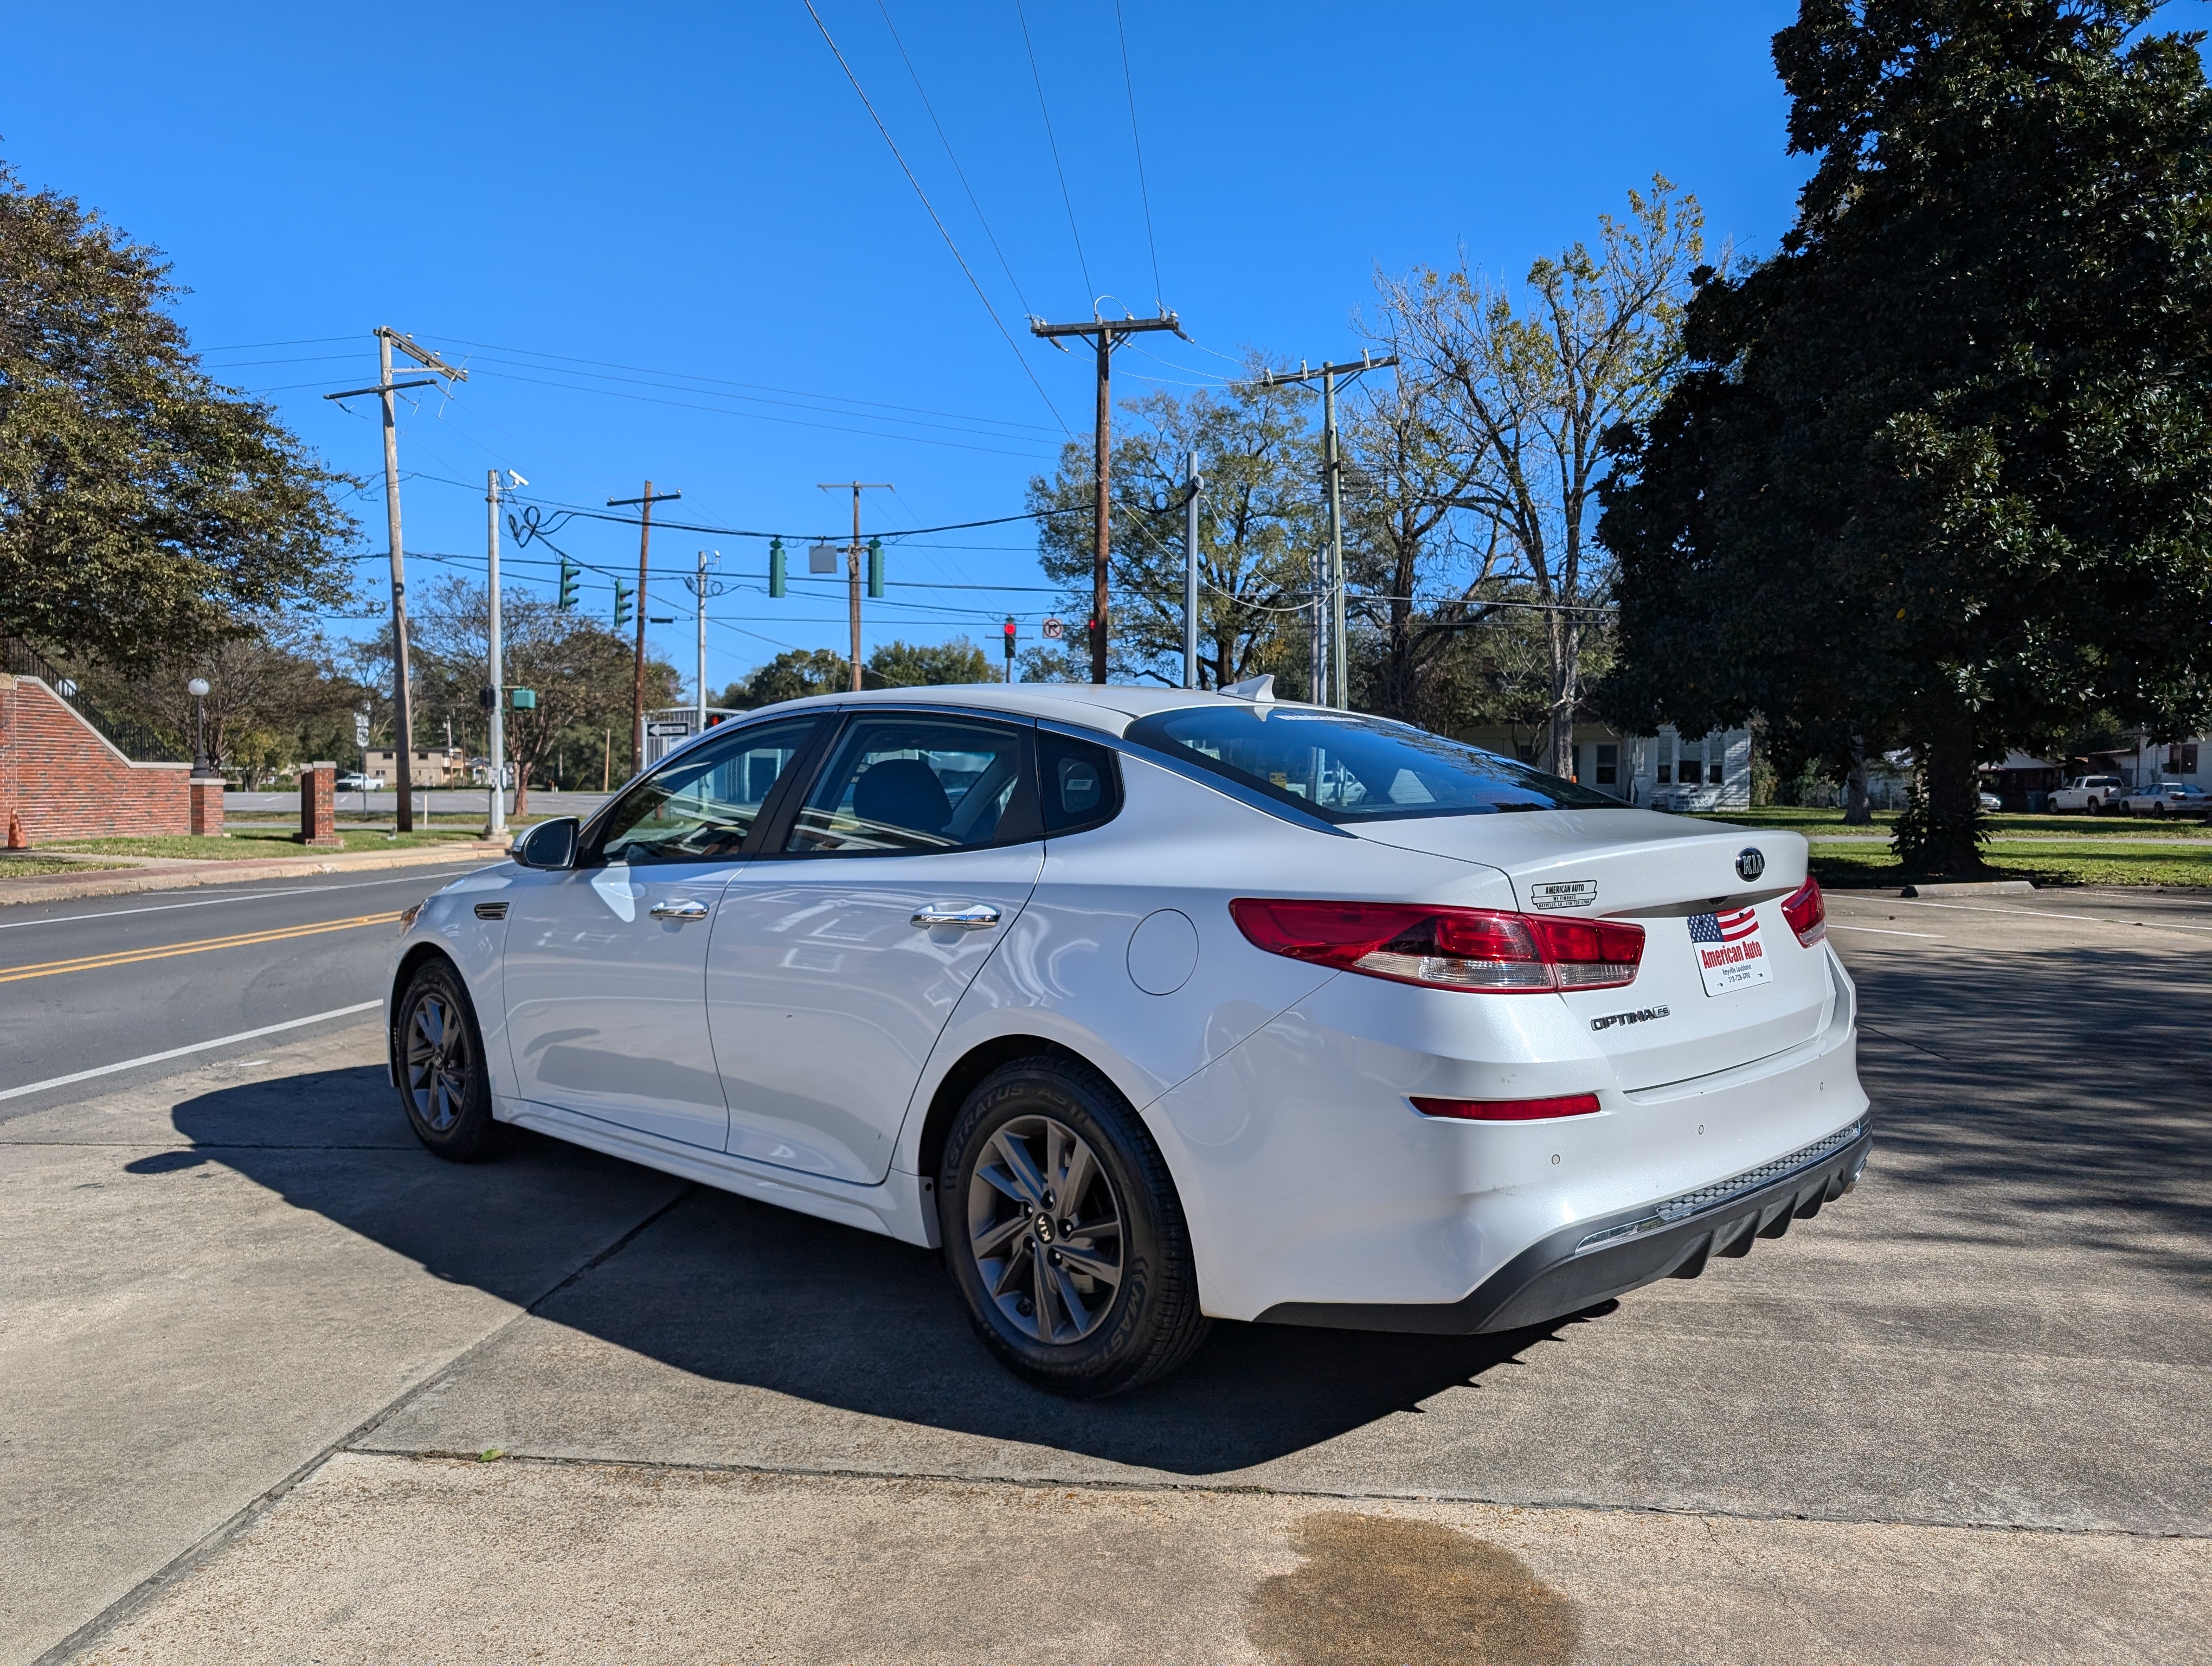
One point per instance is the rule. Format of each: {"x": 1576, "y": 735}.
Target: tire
{"x": 1015, "y": 1240}
{"x": 2159, "y": 809}
{"x": 2095, "y": 808}
{"x": 438, "y": 1054}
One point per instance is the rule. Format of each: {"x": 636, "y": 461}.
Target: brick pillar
{"x": 318, "y": 807}
{"x": 207, "y": 805}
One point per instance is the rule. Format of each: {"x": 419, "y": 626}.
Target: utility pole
{"x": 703, "y": 588}
{"x": 1340, "y": 679}
{"x": 1105, "y": 335}
{"x": 403, "y": 723}
{"x": 1191, "y": 486}
{"x": 853, "y": 556}
{"x": 637, "y": 675}
{"x": 496, "y": 694}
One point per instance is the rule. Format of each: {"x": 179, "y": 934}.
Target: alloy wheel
{"x": 1045, "y": 1228}
{"x": 438, "y": 1063}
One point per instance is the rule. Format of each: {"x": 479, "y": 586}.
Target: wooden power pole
{"x": 403, "y": 719}
{"x": 853, "y": 556}
{"x": 644, "y": 505}
{"x": 1106, "y": 335}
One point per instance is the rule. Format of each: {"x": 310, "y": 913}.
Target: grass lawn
{"x": 2046, "y": 861}
{"x": 1814, "y": 822}
{"x": 15, "y": 865}
{"x": 248, "y": 843}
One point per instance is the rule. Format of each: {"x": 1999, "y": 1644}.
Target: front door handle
{"x": 968, "y": 916}
{"x": 679, "y": 908}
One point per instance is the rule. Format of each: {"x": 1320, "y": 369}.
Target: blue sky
{"x": 691, "y": 205}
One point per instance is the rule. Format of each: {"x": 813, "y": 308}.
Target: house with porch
{"x": 1669, "y": 770}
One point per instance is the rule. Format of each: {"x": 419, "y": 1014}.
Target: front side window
{"x": 1347, "y": 768}
{"x": 910, "y": 786}
{"x": 699, "y": 806}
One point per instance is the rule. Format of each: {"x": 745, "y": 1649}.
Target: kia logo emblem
{"x": 1750, "y": 862}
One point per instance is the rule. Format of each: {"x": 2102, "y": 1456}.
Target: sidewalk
{"x": 175, "y": 873}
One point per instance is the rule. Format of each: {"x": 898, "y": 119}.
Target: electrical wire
{"x": 1004, "y": 265}
{"x": 1066, "y": 197}
{"x": 1144, "y": 191}
{"x": 1011, "y": 346}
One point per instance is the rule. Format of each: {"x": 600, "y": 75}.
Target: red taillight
{"x": 1807, "y": 913}
{"x": 1508, "y": 1110}
{"x": 1447, "y": 948}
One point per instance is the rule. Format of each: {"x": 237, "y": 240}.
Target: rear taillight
{"x": 1508, "y": 1110}
{"x": 1447, "y": 948}
{"x": 1807, "y": 913}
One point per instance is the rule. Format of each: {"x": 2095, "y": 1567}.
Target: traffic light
{"x": 875, "y": 567}
{"x": 1010, "y": 648}
{"x": 776, "y": 572}
{"x": 622, "y": 604}
{"x": 567, "y": 582}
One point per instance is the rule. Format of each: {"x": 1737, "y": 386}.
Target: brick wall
{"x": 59, "y": 779}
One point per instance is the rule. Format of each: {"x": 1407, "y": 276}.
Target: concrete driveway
{"x": 276, "y": 1385}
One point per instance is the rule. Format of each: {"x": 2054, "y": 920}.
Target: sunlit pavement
{"x": 258, "y": 1345}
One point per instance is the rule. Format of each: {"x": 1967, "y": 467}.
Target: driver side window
{"x": 701, "y": 806}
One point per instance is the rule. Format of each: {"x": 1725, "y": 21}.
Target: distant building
{"x": 2147, "y": 762}
{"x": 434, "y": 766}
{"x": 1666, "y": 771}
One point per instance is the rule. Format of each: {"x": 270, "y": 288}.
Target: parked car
{"x": 1989, "y": 802}
{"x": 2167, "y": 798}
{"x": 2094, "y": 794}
{"x": 1151, "y": 1006}
{"x": 358, "y": 783}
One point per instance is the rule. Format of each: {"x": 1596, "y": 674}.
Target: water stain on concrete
{"x": 1377, "y": 1592}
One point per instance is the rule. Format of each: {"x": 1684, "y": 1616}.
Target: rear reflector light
{"x": 1807, "y": 913}
{"x": 1447, "y": 948}
{"x": 1508, "y": 1111}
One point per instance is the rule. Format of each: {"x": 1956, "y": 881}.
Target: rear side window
{"x": 1344, "y": 768}
{"x": 1081, "y": 786}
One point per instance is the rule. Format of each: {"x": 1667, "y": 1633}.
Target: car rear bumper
{"x": 1594, "y": 1261}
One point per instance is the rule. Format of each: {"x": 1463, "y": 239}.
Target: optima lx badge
{"x": 1644, "y": 1015}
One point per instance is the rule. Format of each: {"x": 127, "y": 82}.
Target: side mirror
{"x": 550, "y": 845}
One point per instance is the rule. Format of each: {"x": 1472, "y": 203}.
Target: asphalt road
{"x": 274, "y": 1385}
{"x": 91, "y": 982}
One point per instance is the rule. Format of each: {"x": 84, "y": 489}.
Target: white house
{"x": 1665, "y": 771}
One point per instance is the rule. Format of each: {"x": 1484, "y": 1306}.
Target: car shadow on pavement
{"x": 733, "y": 1292}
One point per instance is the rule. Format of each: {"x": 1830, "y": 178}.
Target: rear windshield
{"x": 1346, "y": 767}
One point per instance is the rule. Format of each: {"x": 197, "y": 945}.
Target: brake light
{"x": 1807, "y": 913}
{"x": 1446, "y": 948}
{"x": 1508, "y": 1110}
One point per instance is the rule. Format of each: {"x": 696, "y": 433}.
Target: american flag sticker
{"x": 1730, "y": 954}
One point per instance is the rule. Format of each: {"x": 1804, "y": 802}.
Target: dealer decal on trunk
{"x": 1730, "y": 955}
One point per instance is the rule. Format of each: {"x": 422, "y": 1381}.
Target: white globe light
{"x": 196, "y": 688}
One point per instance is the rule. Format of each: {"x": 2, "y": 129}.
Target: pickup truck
{"x": 2094, "y": 794}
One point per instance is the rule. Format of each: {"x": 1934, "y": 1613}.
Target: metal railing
{"x": 139, "y": 742}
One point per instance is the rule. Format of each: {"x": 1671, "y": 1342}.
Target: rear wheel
{"x": 440, "y": 1056}
{"x": 1063, "y": 1232}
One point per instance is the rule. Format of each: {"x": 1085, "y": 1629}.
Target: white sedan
{"x": 1150, "y": 1007}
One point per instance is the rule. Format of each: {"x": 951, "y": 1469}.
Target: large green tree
{"x": 1941, "y": 470}
{"x": 145, "y": 511}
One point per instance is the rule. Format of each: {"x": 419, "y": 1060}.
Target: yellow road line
{"x": 245, "y": 939}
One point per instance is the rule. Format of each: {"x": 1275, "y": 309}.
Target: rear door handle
{"x": 968, "y": 916}
{"x": 679, "y": 908}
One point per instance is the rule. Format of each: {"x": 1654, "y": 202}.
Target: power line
{"x": 1004, "y": 265}
{"x": 1037, "y": 75}
{"x": 1144, "y": 191}
{"x": 935, "y": 219}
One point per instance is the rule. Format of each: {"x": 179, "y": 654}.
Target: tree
{"x": 144, "y": 510}
{"x": 580, "y": 670}
{"x": 799, "y": 672}
{"x": 915, "y": 665}
{"x": 792, "y": 675}
{"x": 1529, "y": 393}
{"x": 1941, "y": 470}
{"x": 1259, "y": 528}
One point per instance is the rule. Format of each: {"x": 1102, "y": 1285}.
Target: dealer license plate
{"x": 1731, "y": 955}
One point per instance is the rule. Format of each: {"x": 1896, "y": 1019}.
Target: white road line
{"x": 2047, "y": 914}
{"x": 1838, "y": 926}
{"x": 209, "y": 902}
{"x": 179, "y": 1052}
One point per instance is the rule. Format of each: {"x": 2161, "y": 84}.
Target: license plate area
{"x": 1730, "y": 950}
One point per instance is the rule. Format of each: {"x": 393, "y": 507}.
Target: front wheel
{"x": 438, "y": 1052}
{"x": 1063, "y": 1232}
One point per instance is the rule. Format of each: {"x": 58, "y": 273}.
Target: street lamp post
{"x": 197, "y": 689}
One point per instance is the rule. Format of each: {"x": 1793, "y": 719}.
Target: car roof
{"x": 1111, "y": 708}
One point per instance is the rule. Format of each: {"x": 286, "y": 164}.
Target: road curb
{"x": 1973, "y": 888}
{"x": 107, "y": 882}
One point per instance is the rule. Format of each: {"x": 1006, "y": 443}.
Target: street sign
{"x": 1053, "y": 630}
{"x": 668, "y": 729}
{"x": 821, "y": 557}
{"x": 360, "y": 728}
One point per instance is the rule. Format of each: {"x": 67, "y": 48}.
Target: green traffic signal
{"x": 567, "y": 582}
{"x": 875, "y": 567}
{"x": 775, "y": 586}
{"x": 622, "y": 604}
